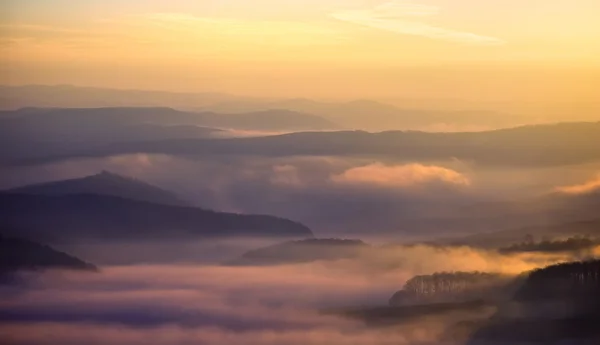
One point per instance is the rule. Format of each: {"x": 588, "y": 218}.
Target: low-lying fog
{"x": 182, "y": 292}
{"x": 169, "y": 303}
{"x": 334, "y": 195}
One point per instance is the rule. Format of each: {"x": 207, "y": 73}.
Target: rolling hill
{"x": 376, "y": 116}
{"x": 104, "y": 183}
{"x": 24, "y": 255}
{"x": 528, "y": 146}
{"x": 40, "y": 132}
{"x": 293, "y": 252}
{"x": 86, "y": 216}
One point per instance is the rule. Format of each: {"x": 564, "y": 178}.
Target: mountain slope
{"x": 104, "y": 183}
{"x": 376, "y": 116}
{"x": 19, "y": 254}
{"x": 268, "y": 120}
{"x": 293, "y": 252}
{"x": 527, "y": 146}
{"x": 79, "y": 96}
{"x": 558, "y": 304}
{"x": 54, "y": 119}
{"x": 565, "y": 143}
{"x": 87, "y": 216}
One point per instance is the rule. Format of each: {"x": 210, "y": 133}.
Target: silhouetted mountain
{"x": 570, "y": 280}
{"x": 453, "y": 287}
{"x": 376, "y": 116}
{"x": 559, "y": 303}
{"x": 577, "y": 245}
{"x": 41, "y": 132}
{"x": 359, "y": 114}
{"x": 550, "y": 217}
{"x": 268, "y": 120}
{"x": 529, "y": 146}
{"x": 104, "y": 183}
{"x": 69, "y": 96}
{"x": 302, "y": 251}
{"x": 73, "y": 217}
{"x": 46, "y": 120}
{"x": 19, "y": 254}
{"x": 509, "y": 237}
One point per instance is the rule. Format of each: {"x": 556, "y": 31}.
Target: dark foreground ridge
{"x": 100, "y": 217}
{"x": 556, "y": 303}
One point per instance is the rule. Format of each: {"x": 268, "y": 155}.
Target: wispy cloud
{"x": 395, "y": 16}
{"x": 401, "y": 175}
{"x": 263, "y": 31}
{"x": 590, "y": 186}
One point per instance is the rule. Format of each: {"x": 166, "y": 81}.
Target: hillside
{"x": 453, "y": 287}
{"x": 556, "y": 303}
{"x": 309, "y": 250}
{"x": 54, "y": 119}
{"x": 267, "y": 120}
{"x": 509, "y": 237}
{"x": 14, "y": 97}
{"x": 528, "y": 146}
{"x": 19, "y": 254}
{"x": 100, "y": 217}
{"x": 376, "y": 116}
{"x": 104, "y": 183}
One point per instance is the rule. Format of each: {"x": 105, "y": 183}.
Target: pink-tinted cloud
{"x": 590, "y": 186}
{"x": 401, "y": 175}
{"x": 208, "y": 304}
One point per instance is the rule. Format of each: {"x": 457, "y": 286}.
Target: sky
{"x": 308, "y": 48}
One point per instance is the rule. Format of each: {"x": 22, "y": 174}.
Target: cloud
{"x": 211, "y": 304}
{"x": 400, "y": 175}
{"x": 285, "y": 175}
{"x": 258, "y": 31}
{"x": 392, "y": 16}
{"x": 590, "y": 186}
{"x": 400, "y": 9}
{"x": 198, "y": 305}
{"x": 321, "y": 192}
{"x": 333, "y": 195}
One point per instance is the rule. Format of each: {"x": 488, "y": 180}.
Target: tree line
{"x": 566, "y": 280}
{"x": 448, "y": 285}
{"x": 573, "y": 244}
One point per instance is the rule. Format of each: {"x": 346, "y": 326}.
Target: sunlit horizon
{"x": 495, "y": 50}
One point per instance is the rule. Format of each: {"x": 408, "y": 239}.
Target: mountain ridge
{"x": 556, "y": 144}
{"x": 99, "y": 217}
{"x": 104, "y": 183}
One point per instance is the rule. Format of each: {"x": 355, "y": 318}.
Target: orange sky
{"x": 496, "y": 49}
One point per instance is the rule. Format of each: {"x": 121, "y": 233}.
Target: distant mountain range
{"x": 376, "y": 116}
{"x": 548, "y": 217}
{"x": 528, "y": 146}
{"x": 371, "y": 115}
{"x": 357, "y": 114}
{"x": 509, "y": 237}
{"x": 69, "y": 96}
{"x": 294, "y": 252}
{"x": 95, "y": 119}
{"x": 41, "y": 132}
{"x": 104, "y": 183}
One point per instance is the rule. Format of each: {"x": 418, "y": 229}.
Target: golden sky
{"x": 329, "y": 48}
